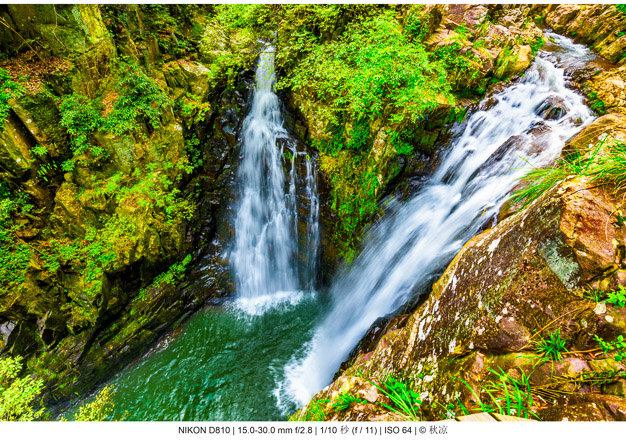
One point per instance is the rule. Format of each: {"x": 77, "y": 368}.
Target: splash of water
{"x": 407, "y": 250}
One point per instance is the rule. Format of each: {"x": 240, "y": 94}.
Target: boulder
{"x": 552, "y": 109}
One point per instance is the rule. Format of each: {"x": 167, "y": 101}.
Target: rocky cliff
{"x": 119, "y": 149}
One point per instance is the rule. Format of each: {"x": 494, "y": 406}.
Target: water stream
{"x": 409, "y": 249}
{"x": 278, "y": 342}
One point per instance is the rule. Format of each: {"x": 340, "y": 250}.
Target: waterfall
{"x": 405, "y": 252}
{"x": 265, "y": 254}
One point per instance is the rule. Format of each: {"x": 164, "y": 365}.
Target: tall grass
{"x": 505, "y": 395}
{"x": 603, "y": 165}
{"x": 405, "y": 402}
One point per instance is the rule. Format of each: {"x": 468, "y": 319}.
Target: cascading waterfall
{"x": 405, "y": 252}
{"x": 265, "y": 253}
{"x": 312, "y": 225}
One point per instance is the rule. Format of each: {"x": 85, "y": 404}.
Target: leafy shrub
{"x": 17, "y": 394}
{"x": 139, "y": 98}
{"x": 81, "y": 117}
{"x": 364, "y": 74}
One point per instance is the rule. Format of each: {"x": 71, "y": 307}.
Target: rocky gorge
{"x": 120, "y": 153}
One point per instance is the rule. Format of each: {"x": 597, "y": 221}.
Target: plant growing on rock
{"x": 617, "y": 297}
{"x": 405, "y": 402}
{"x": 505, "y": 395}
{"x": 619, "y": 345}
{"x": 139, "y": 98}
{"x": 99, "y": 409}
{"x": 553, "y": 347}
{"x": 599, "y": 167}
{"x": 345, "y": 400}
{"x": 314, "y": 411}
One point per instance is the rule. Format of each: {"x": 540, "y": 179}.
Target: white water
{"x": 488, "y": 155}
{"x": 265, "y": 253}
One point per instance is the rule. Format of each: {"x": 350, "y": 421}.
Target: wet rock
{"x": 552, "y": 109}
{"x": 15, "y": 143}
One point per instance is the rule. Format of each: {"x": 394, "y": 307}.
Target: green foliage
{"x": 405, "y": 402}
{"x": 314, "y": 411}
{"x": 461, "y": 68}
{"x": 596, "y": 104}
{"x": 596, "y": 295}
{"x": 416, "y": 23}
{"x": 345, "y": 400}
{"x": 364, "y": 74}
{"x": 98, "y": 409}
{"x": 553, "y": 347}
{"x": 39, "y": 150}
{"x": 618, "y": 345}
{"x": 195, "y": 154}
{"x": 604, "y": 168}
{"x": 14, "y": 253}
{"x": 8, "y": 89}
{"x": 537, "y": 45}
{"x": 81, "y": 117}
{"x": 139, "y": 98}
{"x": 17, "y": 394}
{"x": 617, "y": 297}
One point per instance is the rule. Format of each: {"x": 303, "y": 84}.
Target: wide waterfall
{"x": 511, "y": 132}
{"x": 265, "y": 254}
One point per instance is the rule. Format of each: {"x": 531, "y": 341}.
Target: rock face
{"x": 100, "y": 233}
{"x": 607, "y": 91}
{"x": 509, "y": 289}
{"x": 601, "y": 26}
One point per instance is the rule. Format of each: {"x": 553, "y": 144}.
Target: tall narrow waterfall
{"x": 265, "y": 255}
{"x": 405, "y": 252}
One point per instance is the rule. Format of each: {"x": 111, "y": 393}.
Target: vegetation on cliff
{"x": 117, "y": 128}
{"x": 98, "y": 150}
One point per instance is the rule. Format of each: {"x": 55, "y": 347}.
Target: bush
{"x": 139, "y": 97}
{"x": 17, "y": 394}
{"x": 373, "y": 70}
